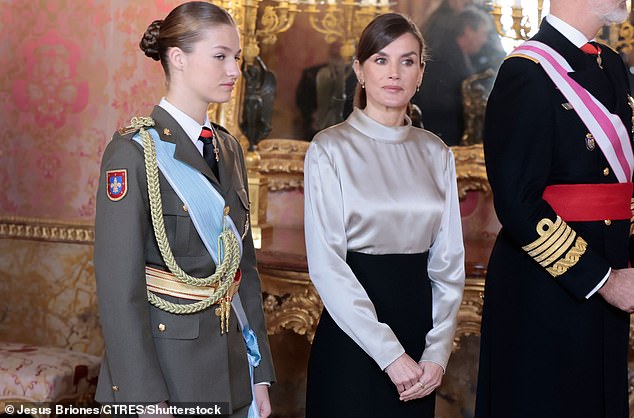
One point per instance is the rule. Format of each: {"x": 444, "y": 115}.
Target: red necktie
{"x": 209, "y": 149}
{"x": 592, "y": 48}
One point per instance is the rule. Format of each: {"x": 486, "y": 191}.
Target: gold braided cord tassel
{"x": 225, "y": 271}
{"x": 139, "y": 122}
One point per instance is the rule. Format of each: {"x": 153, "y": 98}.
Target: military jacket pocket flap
{"x": 172, "y": 205}
{"x": 244, "y": 198}
{"x": 172, "y": 326}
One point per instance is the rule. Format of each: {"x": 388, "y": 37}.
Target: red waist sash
{"x": 590, "y": 202}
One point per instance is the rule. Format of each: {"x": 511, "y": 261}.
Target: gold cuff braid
{"x": 572, "y": 257}
{"x": 558, "y": 244}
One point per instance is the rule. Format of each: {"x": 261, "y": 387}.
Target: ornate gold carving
{"x": 283, "y": 163}
{"x": 290, "y": 302}
{"x": 343, "y": 21}
{"x": 470, "y": 169}
{"x": 283, "y": 160}
{"x": 619, "y": 36}
{"x": 46, "y": 230}
{"x": 470, "y": 312}
{"x": 275, "y": 20}
{"x": 475, "y": 94}
{"x": 55, "y": 256}
{"x": 226, "y": 114}
{"x": 520, "y": 27}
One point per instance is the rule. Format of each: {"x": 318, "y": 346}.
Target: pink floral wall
{"x": 71, "y": 74}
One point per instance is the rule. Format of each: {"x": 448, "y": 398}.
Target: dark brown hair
{"x": 181, "y": 28}
{"x": 380, "y": 32}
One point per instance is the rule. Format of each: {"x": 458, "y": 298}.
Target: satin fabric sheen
{"x": 377, "y": 189}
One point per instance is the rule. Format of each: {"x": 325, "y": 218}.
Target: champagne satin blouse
{"x": 378, "y": 189}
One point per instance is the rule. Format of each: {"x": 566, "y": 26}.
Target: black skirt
{"x": 343, "y": 381}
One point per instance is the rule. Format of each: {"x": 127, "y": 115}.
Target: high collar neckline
{"x": 359, "y": 120}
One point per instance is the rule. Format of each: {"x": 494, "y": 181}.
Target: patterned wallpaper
{"x": 71, "y": 74}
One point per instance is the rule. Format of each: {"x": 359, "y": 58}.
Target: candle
{"x": 518, "y": 3}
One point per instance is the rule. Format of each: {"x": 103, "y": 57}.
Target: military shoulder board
{"x": 136, "y": 123}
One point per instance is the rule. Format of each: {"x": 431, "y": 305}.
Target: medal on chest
{"x": 590, "y": 142}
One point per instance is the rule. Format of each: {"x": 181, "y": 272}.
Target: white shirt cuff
{"x": 601, "y": 283}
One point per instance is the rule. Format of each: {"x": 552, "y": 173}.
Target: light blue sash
{"x": 253, "y": 350}
{"x": 204, "y": 204}
{"x": 206, "y": 210}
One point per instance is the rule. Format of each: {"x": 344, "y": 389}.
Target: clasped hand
{"x": 414, "y": 380}
{"x": 619, "y": 289}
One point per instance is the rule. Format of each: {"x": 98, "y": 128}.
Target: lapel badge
{"x": 566, "y": 106}
{"x": 167, "y": 132}
{"x": 590, "y": 142}
{"x": 117, "y": 182}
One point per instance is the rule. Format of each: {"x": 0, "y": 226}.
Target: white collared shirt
{"x": 577, "y": 38}
{"x": 191, "y": 127}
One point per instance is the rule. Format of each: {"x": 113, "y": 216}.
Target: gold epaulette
{"x": 558, "y": 247}
{"x": 136, "y": 123}
{"x": 535, "y": 60}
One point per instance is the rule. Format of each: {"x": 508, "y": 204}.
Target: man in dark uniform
{"x": 558, "y": 290}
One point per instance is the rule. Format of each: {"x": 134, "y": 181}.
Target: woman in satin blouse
{"x": 384, "y": 242}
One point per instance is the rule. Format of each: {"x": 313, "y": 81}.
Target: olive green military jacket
{"x": 151, "y": 355}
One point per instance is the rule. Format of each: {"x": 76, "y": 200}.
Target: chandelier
{"x": 337, "y": 20}
{"x": 343, "y": 20}
{"x": 518, "y": 20}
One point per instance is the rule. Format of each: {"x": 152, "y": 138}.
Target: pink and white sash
{"x": 607, "y": 128}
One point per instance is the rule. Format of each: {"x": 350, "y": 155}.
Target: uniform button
{"x": 162, "y": 327}
{"x": 115, "y": 388}
{"x": 607, "y": 222}
{"x": 606, "y": 171}
{"x": 185, "y": 208}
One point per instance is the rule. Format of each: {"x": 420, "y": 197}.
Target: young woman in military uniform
{"x": 179, "y": 293}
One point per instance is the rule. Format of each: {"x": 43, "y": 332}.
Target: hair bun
{"x": 149, "y": 41}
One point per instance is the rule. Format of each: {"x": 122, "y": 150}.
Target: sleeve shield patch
{"x": 117, "y": 186}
